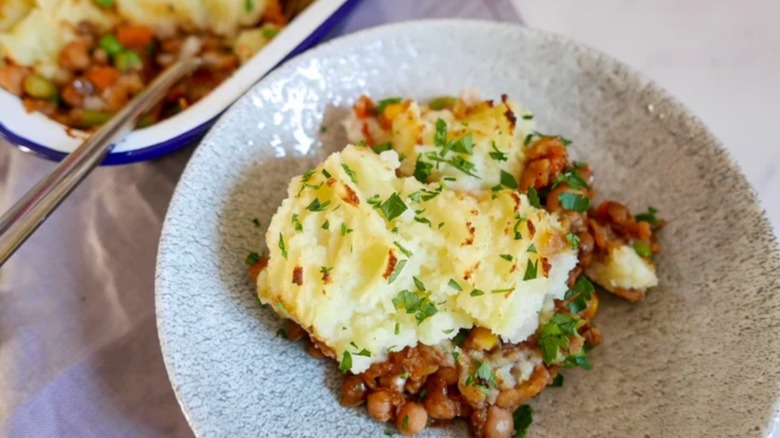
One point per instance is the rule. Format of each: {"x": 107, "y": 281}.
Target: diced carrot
{"x": 103, "y": 77}
{"x": 134, "y": 36}
{"x": 364, "y": 107}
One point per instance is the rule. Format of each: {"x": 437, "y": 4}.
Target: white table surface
{"x": 720, "y": 58}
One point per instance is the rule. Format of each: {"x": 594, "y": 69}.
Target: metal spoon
{"x": 21, "y": 220}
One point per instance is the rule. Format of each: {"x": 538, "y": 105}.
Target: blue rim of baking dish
{"x": 186, "y": 138}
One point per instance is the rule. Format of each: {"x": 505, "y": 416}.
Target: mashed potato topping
{"x": 623, "y": 268}
{"x": 369, "y": 262}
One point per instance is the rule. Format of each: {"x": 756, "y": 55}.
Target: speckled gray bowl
{"x": 700, "y": 357}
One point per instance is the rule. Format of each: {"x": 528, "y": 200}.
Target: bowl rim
{"x": 173, "y": 369}
{"x": 190, "y": 125}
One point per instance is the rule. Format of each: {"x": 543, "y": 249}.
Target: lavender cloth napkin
{"x": 79, "y": 354}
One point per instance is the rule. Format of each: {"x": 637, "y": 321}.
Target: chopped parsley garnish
{"x": 476, "y": 293}
{"x": 325, "y": 269}
{"x": 249, "y": 5}
{"x": 572, "y": 179}
{"x": 648, "y": 216}
{"x": 396, "y": 271}
{"x": 389, "y": 432}
{"x": 528, "y": 139}
{"x": 282, "y": 307}
{"x": 418, "y": 284}
{"x": 454, "y": 284}
{"x": 281, "y": 246}
{"x": 374, "y": 201}
{"x": 350, "y": 173}
{"x": 364, "y": 353}
{"x": 507, "y": 257}
{"x": 578, "y": 360}
{"x": 296, "y": 223}
{"x": 532, "y": 248}
{"x": 527, "y": 116}
{"x": 422, "y": 170}
{"x": 405, "y": 423}
{"x": 361, "y": 142}
{"x": 533, "y": 198}
{"x": 402, "y": 249}
{"x": 519, "y": 221}
{"x": 531, "y": 270}
{"x": 104, "y": 3}
{"x": 415, "y": 196}
{"x": 457, "y": 162}
{"x": 346, "y": 362}
{"x": 307, "y": 176}
{"x": 344, "y": 229}
{"x": 382, "y": 147}
{"x": 460, "y": 338}
{"x": 423, "y": 220}
{"x": 252, "y": 258}
{"x": 440, "y": 135}
{"x": 455, "y": 355}
{"x": 384, "y": 103}
{"x": 502, "y": 291}
{"x": 427, "y": 195}
{"x": 643, "y": 249}
{"x": 325, "y": 225}
{"x": 326, "y": 173}
{"x": 397, "y": 328}
{"x": 256, "y": 222}
{"x": 507, "y": 180}
{"x": 441, "y": 103}
{"x": 422, "y": 307}
{"x": 523, "y": 416}
{"x": 482, "y": 377}
{"x": 574, "y": 201}
{"x": 557, "y": 381}
{"x": 573, "y": 239}
{"x": 579, "y": 295}
{"x": 464, "y": 145}
{"x": 564, "y": 141}
{"x": 555, "y": 335}
{"x": 316, "y": 206}
{"x": 497, "y": 154}
{"x": 323, "y": 129}
{"x": 393, "y": 207}
{"x": 281, "y": 333}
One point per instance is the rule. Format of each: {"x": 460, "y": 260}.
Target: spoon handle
{"x": 29, "y": 212}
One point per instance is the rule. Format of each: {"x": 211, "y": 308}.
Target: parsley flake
{"x": 574, "y": 240}
{"x": 443, "y": 102}
{"x": 507, "y": 257}
{"x": 440, "y": 135}
{"x": 648, "y": 216}
{"x": 572, "y": 179}
{"x": 523, "y": 417}
{"x": 532, "y": 248}
{"x": 454, "y": 284}
{"x": 476, "y": 293}
{"x": 464, "y": 145}
{"x": 527, "y": 116}
{"x": 397, "y": 328}
{"x": 393, "y": 207}
{"x": 382, "y": 147}
{"x": 533, "y": 198}
{"x": 384, "y": 103}
{"x": 325, "y": 225}
{"x": 579, "y": 295}
{"x": 643, "y": 249}
{"x": 316, "y": 206}
{"x": 282, "y": 246}
{"x": 419, "y": 284}
{"x": 557, "y": 381}
{"x": 256, "y": 222}
{"x": 421, "y": 306}
{"x": 249, "y": 5}
{"x": 405, "y": 251}
{"x": 531, "y": 270}
{"x": 507, "y": 180}
{"x": 350, "y": 173}
{"x": 396, "y": 271}
{"x": 422, "y": 170}
{"x": 574, "y": 201}
{"x": 497, "y": 154}
{"x": 346, "y": 362}
{"x": 252, "y": 258}
{"x": 345, "y": 230}
{"x": 502, "y": 291}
